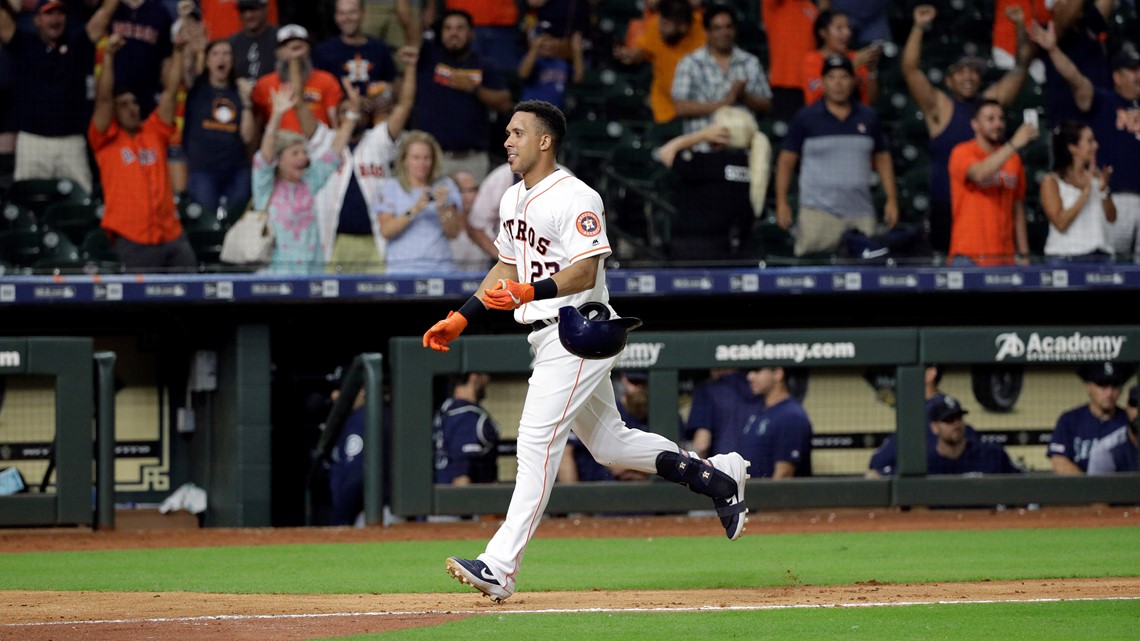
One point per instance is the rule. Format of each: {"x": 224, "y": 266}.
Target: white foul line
{"x": 497, "y": 611}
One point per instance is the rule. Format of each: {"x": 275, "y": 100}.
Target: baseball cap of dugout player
{"x": 837, "y": 61}
{"x": 43, "y": 6}
{"x": 945, "y": 408}
{"x": 589, "y": 332}
{"x": 1106, "y": 374}
{"x": 252, "y": 4}
{"x": 291, "y": 32}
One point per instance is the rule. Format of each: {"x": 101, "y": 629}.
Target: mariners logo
{"x": 588, "y": 224}
{"x": 1073, "y": 347}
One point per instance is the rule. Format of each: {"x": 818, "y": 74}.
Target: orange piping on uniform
{"x": 592, "y": 251}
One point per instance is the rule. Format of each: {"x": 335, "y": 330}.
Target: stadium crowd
{"x": 136, "y": 133}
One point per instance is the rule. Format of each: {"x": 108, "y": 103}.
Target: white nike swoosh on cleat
{"x": 486, "y": 574}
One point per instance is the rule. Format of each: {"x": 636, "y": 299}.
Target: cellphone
{"x": 1029, "y": 117}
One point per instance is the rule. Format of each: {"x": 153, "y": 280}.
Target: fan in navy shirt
{"x": 953, "y": 453}
{"x": 364, "y": 60}
{"x": 1079, "y": 429}
{"x": 466, "y": 437}
{"x": 777, "y": 440}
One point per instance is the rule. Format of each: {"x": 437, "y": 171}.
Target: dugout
{"x": 64, "y": 373}
{"x": 665, "y": 354}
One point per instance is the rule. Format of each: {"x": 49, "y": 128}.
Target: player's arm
{"x": 448, "y": 329}
{"x": 1006, "y": 89}
{"x": 301, "y": 108}
{"x": 785, "y": 166}
{"x": 784, "y": 470}
{"x": 171, "y": 81}
{"x": 1020, "y": 232}
{"x": 1082, "y": 87}
{"x": 9, "y": 9}
{"x": 930, "y": 100}
{"x": 403, "y": 109}
{"x": 702, "y": 441}
{"x": 105, "y": 86}
{"x": 506, "y": 294}
{"x": 100, "y": 20}
{"x": 567, "y": 469}
{"x": 1065, "y": 465}
{"x": 885, "y": 167}
{"x": 984, "y": 170}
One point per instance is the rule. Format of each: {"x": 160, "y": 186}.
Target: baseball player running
{"x": 551, "y": 244}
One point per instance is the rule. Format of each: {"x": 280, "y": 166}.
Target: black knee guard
{"x": 699, "y": 475}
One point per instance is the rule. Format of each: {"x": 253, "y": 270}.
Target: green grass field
{"x": 660, "y": 563}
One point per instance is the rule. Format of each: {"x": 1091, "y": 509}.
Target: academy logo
{"x": 588, "y": 224}
{"x": 1074, "y": 347}
{"x": 796, "y": 352}
{"x": 9, "y": 359}
{"x": 638, "y": 355}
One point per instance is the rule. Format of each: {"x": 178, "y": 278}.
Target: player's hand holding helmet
{"x": 507, "y": 295}
{"x": 445, "y": 331}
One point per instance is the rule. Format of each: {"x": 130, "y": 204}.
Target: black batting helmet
{"x": 589, "y": 332}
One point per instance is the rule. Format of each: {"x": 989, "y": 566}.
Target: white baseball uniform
{"x": 542, "y": 230}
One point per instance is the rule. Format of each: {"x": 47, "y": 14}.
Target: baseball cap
{"x": 292, "y": 32}
{"x": 837, "y": 62}
{"x": 1126, "y": 58}
{"x": 252, "y": 4}
{"x": 44, "y": 6}
{"x": 944, "y": 408}
{"x": 1105, "y": 374}
{"x": 966, "y": 60}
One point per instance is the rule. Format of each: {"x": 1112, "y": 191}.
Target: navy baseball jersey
{"x": 977, "y": 458}
{"x": 883, "y": 459}
{"x": 1114, "y": 453}
{"x": 779, "y": 433}
{"x": 466, "y": 440}
{"x": 723, "y": 406}
{"x": 1077, "y": 431}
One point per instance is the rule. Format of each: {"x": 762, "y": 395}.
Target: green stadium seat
{"x": 73, "y": 219}
{"x": 21, "y": 247}
{"x": 660, "y": 133}
{"x": 37, "y": 194}
{"x": 194, "y": 216}
{"x": 13, "y": 216}
{"x": 207, "y": 245}
{"x": 58, "y": 252}
{"x": 770, "y": 241}
{"x": 96, "y": 252}
{"x": 914, "y": 193}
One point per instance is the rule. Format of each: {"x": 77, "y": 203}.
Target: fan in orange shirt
{"x": 788, "y": 26}
{"x": 673, "y": 33}
{"x": 222, "y": 18}
{"x": 832, "y": 33}
{"x": 987, "y": 192}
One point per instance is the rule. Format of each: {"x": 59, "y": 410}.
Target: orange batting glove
{"x": 507, "y": 295}
{"x": 445, "y": 331}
